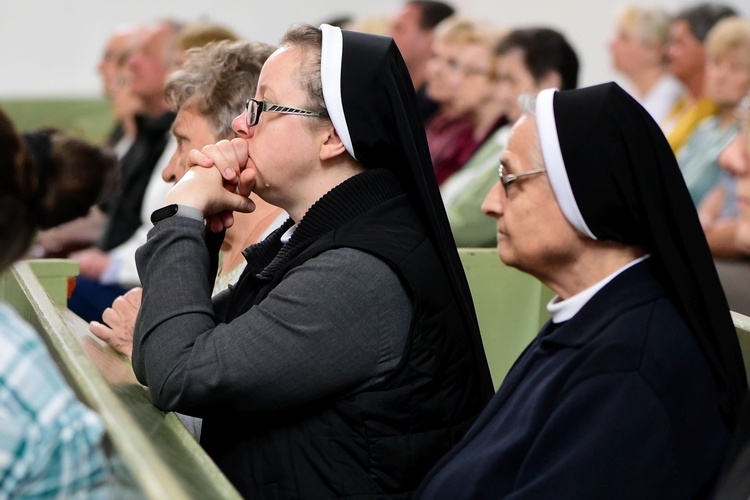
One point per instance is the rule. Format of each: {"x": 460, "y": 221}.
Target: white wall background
{"x": 50, "y": 48}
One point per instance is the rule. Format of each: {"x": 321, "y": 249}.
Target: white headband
{"x": 553, "y": 160}
{"x": 330, "y": 74}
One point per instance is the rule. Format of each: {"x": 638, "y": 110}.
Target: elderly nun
{"x": 631, "y": 390}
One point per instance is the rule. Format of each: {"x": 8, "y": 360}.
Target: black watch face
{"x": 163, "y": 213}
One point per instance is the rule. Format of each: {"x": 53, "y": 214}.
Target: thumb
{"x": 238, "y": 203}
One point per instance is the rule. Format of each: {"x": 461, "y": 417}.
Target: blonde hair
{"x": 455, "y": 29}
{"x": 728, "y": 34}
{"x": 647, "y": 24}
{"x": 199, "y": 34}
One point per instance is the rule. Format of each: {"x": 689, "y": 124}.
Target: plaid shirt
{"x": 50, "y": 443}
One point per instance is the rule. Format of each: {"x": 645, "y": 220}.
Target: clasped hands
{"x": 217, "y": 192}
{"x": 221, "y": 190}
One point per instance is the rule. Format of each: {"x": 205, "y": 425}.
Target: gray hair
{"x": 217, "y": 79}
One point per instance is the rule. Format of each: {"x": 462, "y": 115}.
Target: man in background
{"x": 108, "y": 268}
{"x": 413, "y": 29}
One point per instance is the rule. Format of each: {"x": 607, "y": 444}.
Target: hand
{"x": 230, "y": 161}
{"x": 92, "y": 261}
{"x": 203, "y": 188}
{"x": 120, "y": 322}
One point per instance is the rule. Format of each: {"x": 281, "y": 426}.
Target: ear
{"x": 551, "y": 80}
{"x": 332, "y": 145}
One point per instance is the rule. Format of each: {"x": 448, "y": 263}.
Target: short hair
{"x": 200, "y": 34}
{"x": 730, "y": 33}
{"x": 702, "y": 17}
{"x": 647, "y": 24}
{"x": 310, "y": 40}
{"x": 432, "y": 13}
{"x": 217, "y": 79}
{"x": 544, "y": 50}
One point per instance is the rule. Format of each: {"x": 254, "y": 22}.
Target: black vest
{"x": 136, "y": 167}
{"x": 382, "y": 441}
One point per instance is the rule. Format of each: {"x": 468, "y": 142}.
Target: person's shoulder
{"x": 352, "y": 261}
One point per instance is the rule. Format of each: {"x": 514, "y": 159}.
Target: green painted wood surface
{"x": 88, "y": 119}
{"x": 510, "y": 307}
{"x": 157, "y": 456}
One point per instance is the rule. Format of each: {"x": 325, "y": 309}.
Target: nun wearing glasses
{"x": 631, "y": 389}
{"x": 346, "y": 360}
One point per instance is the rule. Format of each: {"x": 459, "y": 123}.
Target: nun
{"x": 346, "y": 360}
{"x": 631, "y": 390}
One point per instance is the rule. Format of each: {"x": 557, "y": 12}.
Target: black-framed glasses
{"x": 508, "y": 179}
{"x": 255, "y": 107}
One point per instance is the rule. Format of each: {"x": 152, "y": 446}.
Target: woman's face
{"x": 728, "y": 76}
{"x": 476, "y": 83}
{"x": 443, "y": 73}
{"x": 283, "y": 148}
{"x": 631, "y": 54}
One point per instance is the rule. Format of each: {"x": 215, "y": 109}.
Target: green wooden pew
{"x": 154, "y": 455}
{"x": 88, "y": 119}
{"x": 510, "y": 307}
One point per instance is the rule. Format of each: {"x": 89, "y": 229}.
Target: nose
{"x": 239, "y": 125}
{"x": 492, "y": 206}
{"x": 133, "y": 60}
{"x": 169, "y": 174}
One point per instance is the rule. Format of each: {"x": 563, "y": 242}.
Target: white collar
{"x": 563, "y": 310}
{"x": 288, "y": 234}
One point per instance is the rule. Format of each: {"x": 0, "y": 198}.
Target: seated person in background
{"x": 82, "y": 232}
{"x": 347, "y": 358}
{"x": 206, "y": 92}
{"x": 83, "y": 167}
{"x": 449, "y": 132}
{"x": 108, "y": 268}
{"x": 639, "y": 52}
{"x": 50, "y": 443}
{"x": 727, "y": 82}
{"x": 413, "y": 30}
{"x": 687, "y": 62}
{"x": 477, "y": 98}
{"x": 735, "y": 272}
{"x": 528, "y": 60}
{"x": 632, "y": 389}
{"x": 105, "y": 275}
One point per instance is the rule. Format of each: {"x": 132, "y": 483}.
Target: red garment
{"x": 451, "y": 143}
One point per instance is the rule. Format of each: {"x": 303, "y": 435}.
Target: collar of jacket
{"x": 340, "y": 205}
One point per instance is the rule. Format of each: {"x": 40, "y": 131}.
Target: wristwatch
{"x": 174, "y": 209}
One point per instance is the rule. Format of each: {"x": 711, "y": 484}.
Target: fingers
{"x": 229, "y": 157}
{"x": 101, "y": 331}
{"x": 197, "y": 158}
{"x": 134, "y": 296}
{"x": 119, "y": 322}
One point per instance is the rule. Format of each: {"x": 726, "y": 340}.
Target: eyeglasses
{"x": 255, "y": 107}
{"x": 508, "y": 179}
